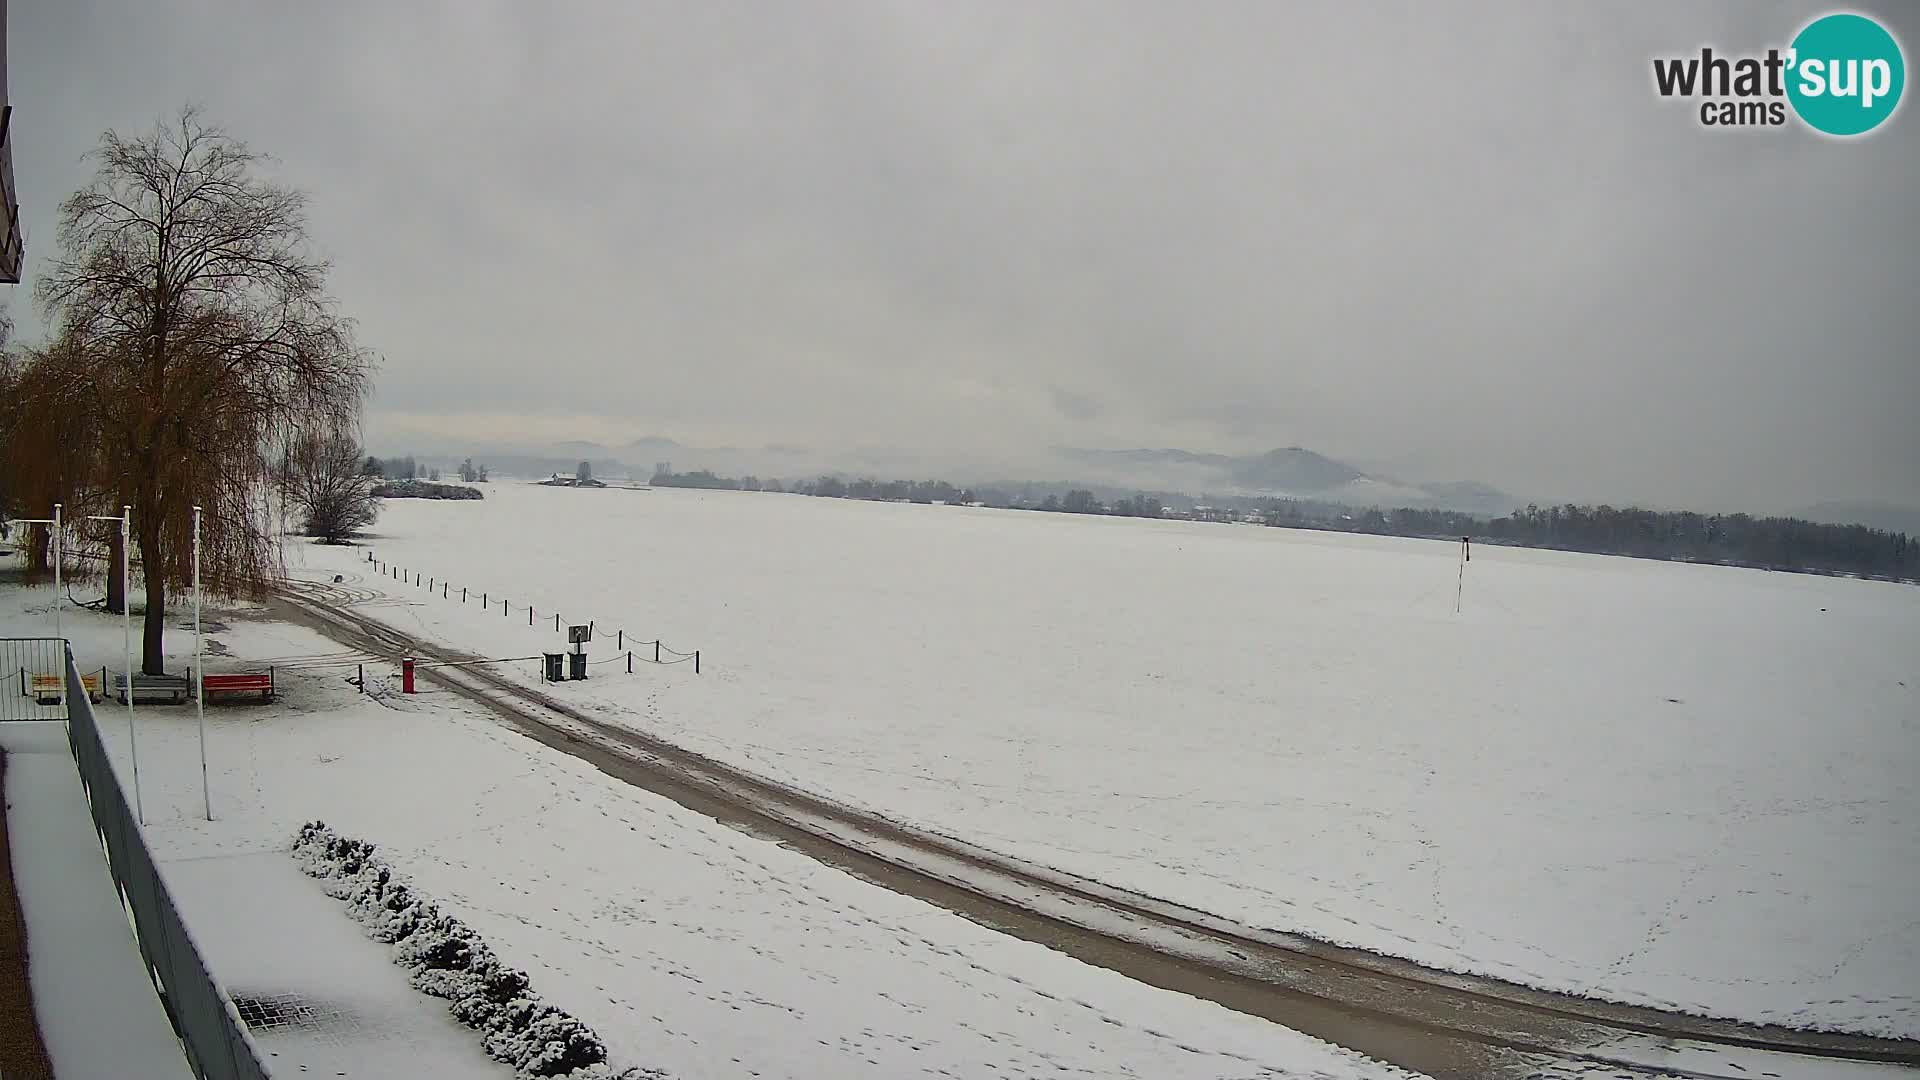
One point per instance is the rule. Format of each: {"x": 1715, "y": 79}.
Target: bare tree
{"x": 327, "y": 482}
{"x": 211, "y": 338}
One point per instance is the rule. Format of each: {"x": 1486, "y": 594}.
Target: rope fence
{"x": 662, "y": 655}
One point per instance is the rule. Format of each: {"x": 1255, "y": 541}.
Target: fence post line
{"x": 529, "y": 614}
{"x": 629, "y": 661}
{"x": 696, "y": 661}
{"x": 556, "y": 622}
{"x": 656, "y": 650}
{"x": 463, "y": 594}
{"x": 361, "y": 676}
{"x": 619, "y": 639}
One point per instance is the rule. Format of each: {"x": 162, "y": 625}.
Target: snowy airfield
{"x": 1684, "y": 786}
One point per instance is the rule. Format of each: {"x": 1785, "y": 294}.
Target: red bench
{"x": 239, "y": 683}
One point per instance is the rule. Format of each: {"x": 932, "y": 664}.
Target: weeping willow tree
{"x": 195, "y": 338}
{"x": 50, "y": 447}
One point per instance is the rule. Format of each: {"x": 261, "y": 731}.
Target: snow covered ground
{"x": 686, "y": 945}
{"x": 96, "y": 1007}
{"x": 1685, "y": 786}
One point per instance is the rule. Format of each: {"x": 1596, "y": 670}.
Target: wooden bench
{"x": 170, "y": 689}
{"x": 47, "y": 689}
{"x": 239, "y": 683}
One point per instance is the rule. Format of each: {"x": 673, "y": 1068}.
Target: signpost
{"x": 578, "y": 636}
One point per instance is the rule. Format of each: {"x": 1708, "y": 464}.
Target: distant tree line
{"x": 406, "y": 468}
{"x": 1779, "y": 543}
{"x": 393, "y": 468}
{"x": 1775, "y": 543}
{"x": 423, "y": 489}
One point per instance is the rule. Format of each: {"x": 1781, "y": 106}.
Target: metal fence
{"x": 32, "y": 679}
{"x": 216, "y": 1040}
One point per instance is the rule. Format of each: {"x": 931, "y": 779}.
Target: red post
{"x": 406, "y": 675}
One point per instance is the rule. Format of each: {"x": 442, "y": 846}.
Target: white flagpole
{"x": 126, "y": 610}
{"x": 59, "y": 598}
{"x": 58, "y": 543}
{"x": 199, "y": 676}
{"x": 53, "y": 533}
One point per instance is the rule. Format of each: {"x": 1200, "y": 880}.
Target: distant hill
{"x": 1292, "y": 471}
{"x": 1888, "y": 516}
{"x": 1289, "y": 471}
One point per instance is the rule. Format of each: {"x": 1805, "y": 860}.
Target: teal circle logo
{"x": 1845, "y": 74}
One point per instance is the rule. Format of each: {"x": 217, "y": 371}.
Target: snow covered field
{"x": 687, "y": 945}
{"x": 1685, "y": 786}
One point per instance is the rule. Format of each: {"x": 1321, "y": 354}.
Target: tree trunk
{"x": 116, "y": 591}
{"x": 153, "y": 658}
{"x": 40, "y": 554}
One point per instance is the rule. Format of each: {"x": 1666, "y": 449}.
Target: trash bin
{"x": 553, "y": 660}
{"x": 576, "y": 665}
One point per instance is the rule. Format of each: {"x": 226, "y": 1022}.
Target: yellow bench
{"x": 47, "y": 688}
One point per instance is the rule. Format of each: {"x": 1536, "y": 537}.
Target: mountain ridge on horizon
{"x": 1283, "y": 471}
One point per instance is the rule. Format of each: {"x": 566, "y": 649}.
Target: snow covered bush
{"x": 445, "y": 958}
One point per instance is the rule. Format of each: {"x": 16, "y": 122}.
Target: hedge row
{"x": 446, "y": 958}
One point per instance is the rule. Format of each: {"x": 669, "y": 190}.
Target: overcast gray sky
{"x": 1458, "y": 242}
